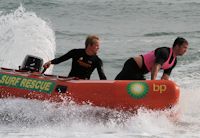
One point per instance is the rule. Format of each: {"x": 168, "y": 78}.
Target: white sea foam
{"x": 24, "y": 33}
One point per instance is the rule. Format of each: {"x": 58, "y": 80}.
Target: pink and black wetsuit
{"x": 162, "y": 56}
{"x": 150, "y": 60}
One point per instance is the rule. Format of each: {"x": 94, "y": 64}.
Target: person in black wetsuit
{"x": 161, "y": 58}
{"x": 84, "y": 61}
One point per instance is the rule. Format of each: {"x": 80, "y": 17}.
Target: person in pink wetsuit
{"x": 161, "y": 58}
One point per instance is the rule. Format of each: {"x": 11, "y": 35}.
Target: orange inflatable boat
{"x": 157, "y": 94}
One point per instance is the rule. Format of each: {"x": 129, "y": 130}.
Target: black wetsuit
{"x": 131, "y": 70}
{"x": 82, "y": 64}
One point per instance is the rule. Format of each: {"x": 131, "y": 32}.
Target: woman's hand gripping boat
{"x": 125, "y": 95}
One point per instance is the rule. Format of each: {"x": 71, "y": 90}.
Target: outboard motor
{"x": 31, "y": 63}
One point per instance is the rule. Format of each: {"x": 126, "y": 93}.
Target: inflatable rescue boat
{"x": 27, "y": 82}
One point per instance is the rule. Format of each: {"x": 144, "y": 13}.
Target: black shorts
{"x": 130, "y": 71}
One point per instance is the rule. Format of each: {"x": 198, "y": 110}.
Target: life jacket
{"x": 149, "y": 60}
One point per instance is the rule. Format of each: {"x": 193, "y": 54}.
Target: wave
{"x": 43, "y": 3}
{"x": 33, "y": 112}
{"x": 159, "y": 34}
{"x": 155, "y": 34}
{"x": 24, "y": 33}
{"x": 20, "y": 111}
{"x": 69, "y": 34}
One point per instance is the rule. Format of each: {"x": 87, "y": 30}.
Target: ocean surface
{"x": 50, "y": 28}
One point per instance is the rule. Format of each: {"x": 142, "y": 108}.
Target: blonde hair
{"x": 90, "y": 40}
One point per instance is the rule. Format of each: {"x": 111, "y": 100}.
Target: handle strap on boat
{"x": 43, "y": 70}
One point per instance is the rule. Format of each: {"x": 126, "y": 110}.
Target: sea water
{"x": 50, "y": 28}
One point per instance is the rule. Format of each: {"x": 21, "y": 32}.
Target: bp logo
{"x": 137, "y": 89}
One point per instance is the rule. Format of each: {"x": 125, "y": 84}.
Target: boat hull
{"x": 118, "y": 94}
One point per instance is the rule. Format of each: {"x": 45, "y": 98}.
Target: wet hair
{"x": 90, "y": 40}
{"x": 179, "y": 41}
